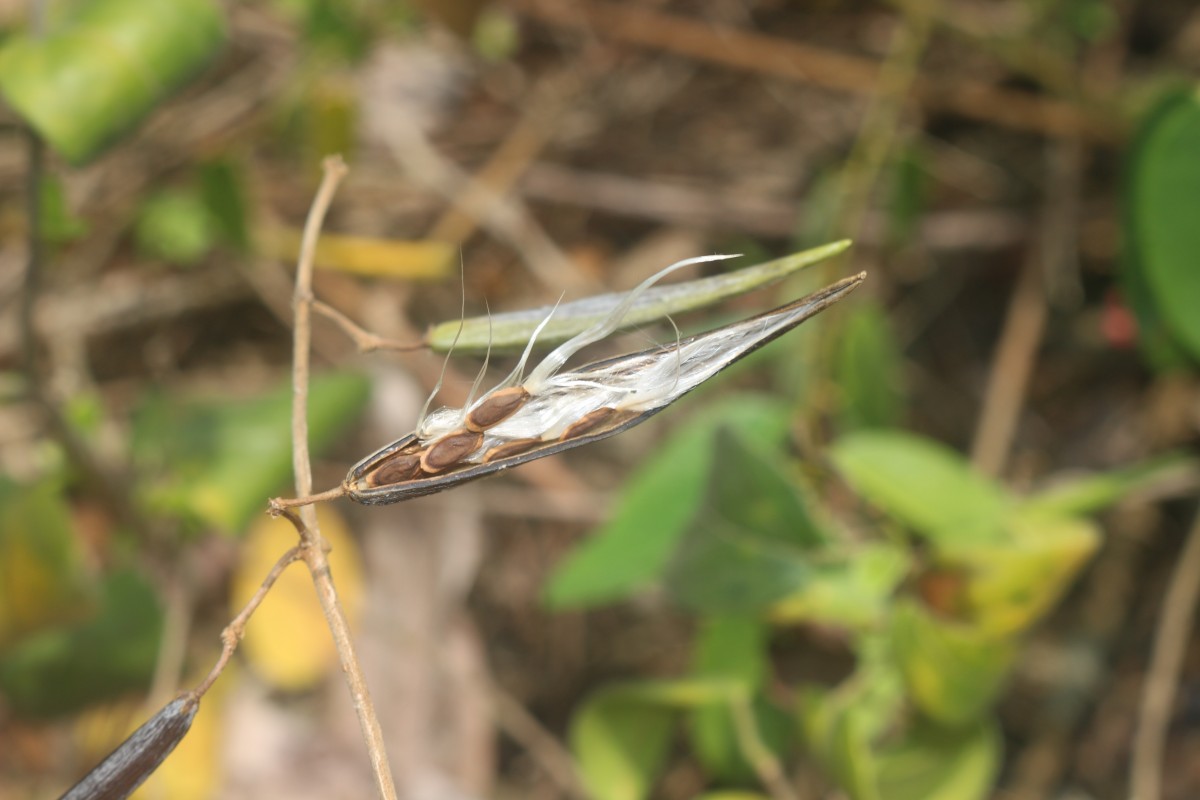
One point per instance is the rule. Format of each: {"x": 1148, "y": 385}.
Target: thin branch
{"x": 363, "y": 339}
{"x": 1162, "y": 679}
{"x": 313, "y": 547}
{"x": 1012, "y": 367}
{"x": 1025, "y": 323}
{"x": 764, "y": 763}
{"x": 279, "y": 504}
{"x": 232, "y": 635}
{"x": 549, "y": 753}
{"x": 506, "y": 218}
{"x": 877, "y": 132}
{"x": 172, "y": 651}
{"x": 525, "y": 140}
{"x": 817, "y": 66}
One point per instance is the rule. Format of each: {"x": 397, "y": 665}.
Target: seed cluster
{"x": 461, "y": 447}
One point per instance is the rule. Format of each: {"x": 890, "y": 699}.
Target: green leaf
{"x": 908, "y": 195}
{"x": 43, "y": 577}
{"x": 1162, "y": 187}
{"x": 732, "y": 794}
{"x": 98, "y": 75}
{"x": 953, "y": 671}
{"x": 652, "y": 512}
{"x": 225, "y": 196}
{"x": 496, "y": 35}
{"x": 513, "y": 330}
{"x": 750, "y": 489}
{"x": 854, "y": 592}
{"x": 933, "y": 763}
{"x": 175, "y": 226}
{"x": 924, "y": 485}
{"x": 853, "y": 730}
{"x": 59, "y": 223}
{"x": 749, "y": 544}
{"x": 58, "y": 671}
{"x": 750, "y": 541}
{"x": 839, "y": 734}
{"x": 719, "y": 569}
{"x": 732, "y": 649}
{"x": 867, "y": 371}
{"x": 842, "y": 725}
{"x": 337, "y": 29}
{"x": 620, "y": 735}
{"x": 1011, "y": 585}
{"x": 1091, "y": 493}
{"x": 217, "y": 462}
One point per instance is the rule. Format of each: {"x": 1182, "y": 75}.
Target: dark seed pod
{"x": 449, "y": 450}
{"x": 496, "y": 407}
{"x": 138, "y": 756}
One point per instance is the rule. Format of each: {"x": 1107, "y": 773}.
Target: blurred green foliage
{"x": 60, "y": 669}
{"x": 175, "y": 226}
{"x": 1162, "y": 188}
{"x": 73, "y": 635}
{"x": 934, "y": 604}
{"x": 104, "y": 66}
{"x": 213, "y": 462}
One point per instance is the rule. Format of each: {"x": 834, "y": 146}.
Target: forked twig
{"x": 313, "y": 547}
{"x": 363, "y": 339}
{"x": 279, "y": 504}
{"x": 233, "y": 632}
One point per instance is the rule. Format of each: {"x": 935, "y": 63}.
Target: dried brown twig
{"x": 777, "y": 57}
{"x": 312, "y": 547}
{"x": 231, "y": 636}
{"x": 1166, "y": 662}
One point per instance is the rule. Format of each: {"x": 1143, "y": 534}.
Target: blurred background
{"x": 933, "y": 544}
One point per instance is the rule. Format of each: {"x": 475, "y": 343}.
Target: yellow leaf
{"x": 43, "y": 576}
{"x": 287, "y": 643}
{"x": 377, "y": 258}
{"x": 1013, "y": 584}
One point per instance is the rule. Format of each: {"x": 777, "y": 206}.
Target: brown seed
{"x": 513, "y": 448}
{"x": 496, "y": 408}
{"x": 588, "y": 422}
{"x": 398, "y": 469}
{"x": 450, "y": 449}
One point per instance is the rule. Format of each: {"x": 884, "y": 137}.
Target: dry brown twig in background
{"x": 520, "y": 148}
{"x": 823, "y": 67}
{"x": 503, "y": 217}
{"x": 1016, "y": 351}
{"x": 524, "y": 729}
{"x": 1166, "y": 662}
{"x": 231, "y": 636}
{"x": 313, "y": 548}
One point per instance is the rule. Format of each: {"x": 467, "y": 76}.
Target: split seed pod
{"x": 553, "y": 411}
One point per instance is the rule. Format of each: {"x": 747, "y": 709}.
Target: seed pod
{"x": 496, "y": 407}
{"x": 635, "y": 387}
{"x": 138, "y": 756}
{"x": 450, "y": 450}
